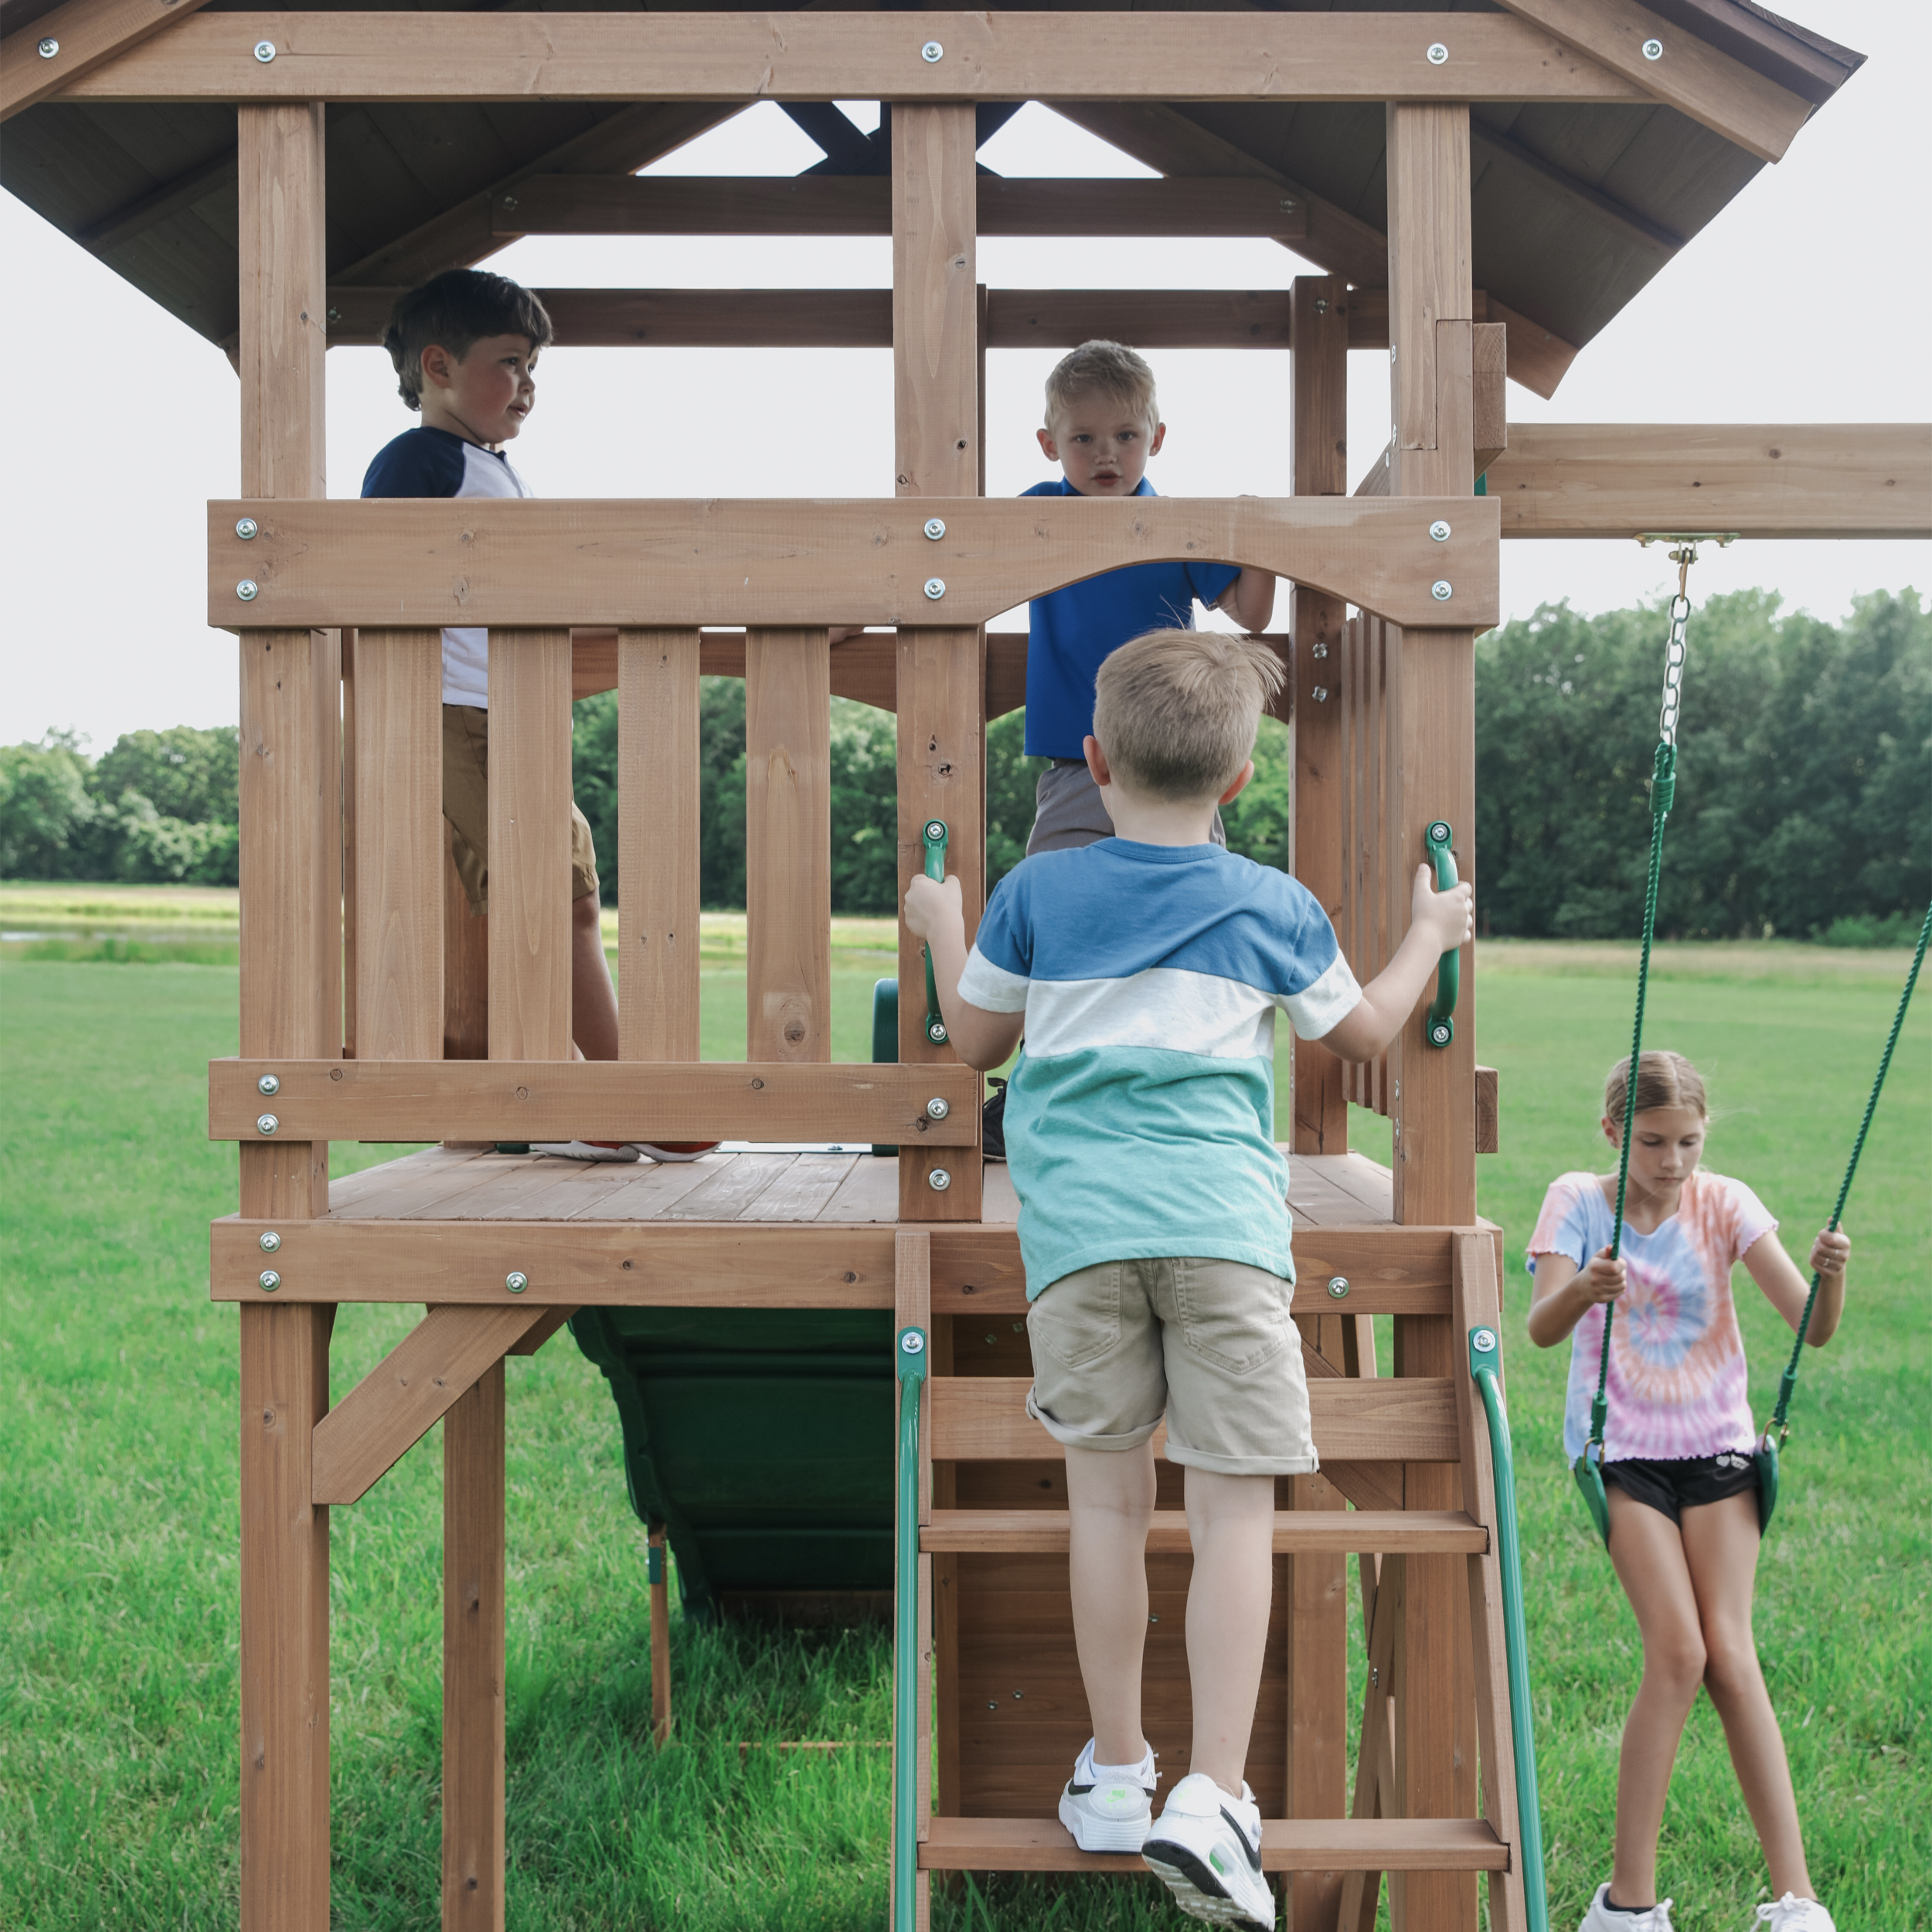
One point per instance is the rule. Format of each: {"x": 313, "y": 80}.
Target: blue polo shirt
{"x": 1071, "y": 631}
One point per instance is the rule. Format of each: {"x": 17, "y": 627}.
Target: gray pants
{"x": 1067, "y": 810}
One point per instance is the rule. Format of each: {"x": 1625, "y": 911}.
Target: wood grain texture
{"x": 530, "y": 877}
{"x": 1288, "y": 1845}
{"x": 1326, "y": 1533}
{"x": 473, "y": 1657}
{"x": 662, "y": 1715}
{"x": 466, "y": 966}
{"x": 1488, "y": 1124}
{"x": 1489, "y": 386}
{"x": 401, "y": 860}
{"x": 1429, "y": 253}
{"x": 787, "y": 846}
{"x": 658, "y": 860}
{"x": 85, "y": 33}
{"x": 935, "y": 324}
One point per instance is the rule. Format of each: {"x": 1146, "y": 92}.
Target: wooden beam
{"x": 1686, "y": 72}
{"x": 53, "y": 51}
{"x": 186, "y": 190}
{"x": 1324, "y": 1533}
{"x": 788, "y": 561}
{"x": 1488, "y": 393}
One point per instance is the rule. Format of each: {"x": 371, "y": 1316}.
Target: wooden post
{"x": 473, "y": 1660}
{"x": 659, "y": 1585}
{"x": 290, "y": 1004}
{"x": 942, "y": 679}
{"x": 1318, "y": 331}
{"x": 466, "y": 967}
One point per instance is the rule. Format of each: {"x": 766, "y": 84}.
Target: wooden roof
{"x": 1575, "y": 206}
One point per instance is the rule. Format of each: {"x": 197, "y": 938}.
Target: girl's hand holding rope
{"x": 1830, "y": 1251}
{"x": 1603, "y": 1280}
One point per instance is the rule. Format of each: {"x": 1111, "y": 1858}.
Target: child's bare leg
{"x": 1648, "y": 1551}
{"x": 1231, "y": 1521}
{"x": 593, "y": 1000}
{"x": 1110, "y": 1496}
{"x": 1721, "y": 1545}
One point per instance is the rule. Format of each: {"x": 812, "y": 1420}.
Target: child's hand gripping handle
{"x": 935, "y": 837}
{"x": 1439, "y": 1028}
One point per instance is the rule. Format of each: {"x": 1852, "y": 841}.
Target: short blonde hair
{"x": 1664, "y": 1079}
{"x": 1176, "y": 711}
{"x": 1104, "y": 368}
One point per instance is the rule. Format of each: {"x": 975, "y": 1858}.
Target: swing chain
{"x": 1675, "y": 648}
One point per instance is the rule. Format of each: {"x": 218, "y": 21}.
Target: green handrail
{"x": 910, "y": 1358}
{"x": 1439, "y": 1028}
{"x": 1484, "y": 1354}
{"x": 935, "y": 869}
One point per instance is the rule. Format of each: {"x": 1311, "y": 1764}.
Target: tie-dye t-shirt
{"x": 1677, "y": 1376}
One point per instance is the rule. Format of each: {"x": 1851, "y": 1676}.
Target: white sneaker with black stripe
{"x": 1207, "y": 1846}
{"x": 1109, "y": 1807}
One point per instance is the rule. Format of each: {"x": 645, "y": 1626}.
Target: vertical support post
{"x": 942, "y": 678}
{"x": 466, "y": 966}
{"x": 290, "y": 1004}
{"x": 473, "y": 1658}
{"x": 1318, "y": 338}
{"x": 660, "y": 1589}
{"x": 1432, "y": 684}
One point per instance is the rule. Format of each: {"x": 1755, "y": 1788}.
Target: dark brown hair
{"x": 455, "y": 310}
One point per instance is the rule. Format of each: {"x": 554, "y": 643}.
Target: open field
{"x": 118, "y": 1514}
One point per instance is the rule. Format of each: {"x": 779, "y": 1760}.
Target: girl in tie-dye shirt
{"x": 1677, "y": 1458}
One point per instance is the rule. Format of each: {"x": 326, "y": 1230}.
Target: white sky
{"x": 1801, "y": 303}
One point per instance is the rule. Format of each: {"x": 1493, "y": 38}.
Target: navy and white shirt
{"x": 1140, "y": 1120}
{"x": 1072, "y": 630}
{"x": 427, "y": 462}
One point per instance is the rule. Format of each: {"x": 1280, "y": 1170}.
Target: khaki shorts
{"x": 1209, "y": 1343}
{"x": 466, "y": 804}
{"x": 1068, "y": 811}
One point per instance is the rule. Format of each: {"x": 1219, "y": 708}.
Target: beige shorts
{"x": 1208, "y": 1343}
{"x": 466, "y": 804}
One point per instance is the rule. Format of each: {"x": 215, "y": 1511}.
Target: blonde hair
{"x": 1106, "y": 368}
{"x": 1176, "y": 711}
{"x": 1664, "y": 1079}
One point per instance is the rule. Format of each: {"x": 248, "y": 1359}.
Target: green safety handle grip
{"x": 935, "y": 836}
{"x": 1439, "y": 1028}
{"x": 910, "y": 1358}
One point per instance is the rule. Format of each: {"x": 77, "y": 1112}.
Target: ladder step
{"x": 1435, "y": 1532}
{"x": 1288, "y": 1845}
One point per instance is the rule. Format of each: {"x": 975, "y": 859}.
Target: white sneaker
{"x": 1603, "y": 1917}
{"x": 586, "y": 1150}
{"x": 1791, "y": 1913}
{"x": 1208, "y": 1848}
{"x": 1109, "y": 1807}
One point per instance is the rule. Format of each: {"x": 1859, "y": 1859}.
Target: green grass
{"x": 117, "y": 1517}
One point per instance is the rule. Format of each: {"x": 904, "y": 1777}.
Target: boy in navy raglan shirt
{"x": 1146, "y": 970}
{"x": 465, "y": 346}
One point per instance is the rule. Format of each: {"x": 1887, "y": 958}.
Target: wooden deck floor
{"x": 755, "y": 1185}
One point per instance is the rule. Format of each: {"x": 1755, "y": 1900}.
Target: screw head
{"x": 516, "y": 1281}
{"x": 48, "y": 48}
{"x": 1442, "y": 589}
{"x": 245, "y": 529}
{"x": 936, "y": 1032}
{"x": 1439, "y": 832}
{"x": 938, "y": 1107}
{"x": 268, "y": 1083}
{"x": 266, "y": 1123}
{"x": 1338, "y": 1287}
{"x": 935, "y": 529}
{"x": 1653, "y": 50}
{"x": 1320, "y": 648}
{"x": 932, "y": 53}
{"x": 247, "y": 589}
{"x": 264, "y": 51}
{"x": 1438, "y": 53}
{"x": 1439, "y": 531}
{"x": 934, "y": 831}
{"x": 1440, "y": 1034}
{"x": 270, "y": 1242}
{"x": 912, "y": 1342}
{"x": 269, "y": 1280}
{"x": 1484, "y": 1341}
{"x": 939, "y": 1180}
{"x": 1288, "y": 206}
{"x": 1320, "y": 694}
{"x": 935, "y": 588}
{"x": 508, "y": 204}
{"x": 1321, "y": 305}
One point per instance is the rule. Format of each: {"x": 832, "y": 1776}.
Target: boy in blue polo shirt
{"x": 1146, "y": 970}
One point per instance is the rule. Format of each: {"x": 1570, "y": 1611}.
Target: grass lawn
{"x": 118, "y": 1512}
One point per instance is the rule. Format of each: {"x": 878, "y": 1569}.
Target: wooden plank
{"x": 788, "y": 847}
{"x": 533, "y": 1339}
{"x": 1690, "y": 75}
{"x": 1772, "y": 480}
{"x": 869, "y": 1193}
{"x": 466, "y": 965}
{"x": 530, "y": 848}
{"x": 657, "y": 944}
{"x": 1489, "y": 1130}
{"x": 1288, "y": 1845}
{"x": 400, "y": 865}
{"x": 802, "y": 1190}
{"x": 1375, "y": 1754}
{"x": 1429, "y": 250}
{"x": 473, "y": 1657}
{"x": 1148, "y": 317}
{"x": 1489, "y": 397}
{"x": 935, "y": 327}
{"x": 1327, "y": 1533}
{"x": 731, "y": 1189}
{"x": 833, "y": 55}
{"x": 54, "y": 49}
{"x": 395, "y": 1404}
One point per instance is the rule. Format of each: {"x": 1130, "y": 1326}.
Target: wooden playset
{"x": 275, "y": 178}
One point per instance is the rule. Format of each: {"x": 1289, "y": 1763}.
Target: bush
{"x": 46, "y": 813}
{"x": 1860, "y": 929}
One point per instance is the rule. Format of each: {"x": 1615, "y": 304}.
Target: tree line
{"x": 1804, "y": 804}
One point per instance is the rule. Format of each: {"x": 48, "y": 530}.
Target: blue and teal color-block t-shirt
{"x": 1140, "y": 1120}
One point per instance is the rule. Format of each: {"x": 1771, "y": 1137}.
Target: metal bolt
{"x": 266, "y": 1123}
{"x": 935, "y": 588}
{"x": 1440, "y": 1034}
{"x": 247, "y": 589}
{"x": 1375, "y": 1673}
{"x": 1653, "y": 50}
{"x": 509, "y": 204}
{"x": 1439, "y": 531}
{"x": 935, "y": 529}
{"x": 938, "y": 1107}
{"x": 1321, "y": 305}
{"x": 1439, "y": 832}
{"x": 335, "y": 315}
{"x": 245, "y": 529}
{"x": 912, "y": 1342}
{"x": 48, "y": 48}
{"x": 269, "y": 1280}
{"x": 1154, "y": 1619}
{"x": 939, "y": 1180}
{"x": 1483, "y": 1341}
{"x": 1287, "y": 206}
{"x": 1438, "y": 53}
{"x": 264, "y": 51}
{"x": 1321, "y": 648}
{"x": 268, "y": 1083}
{"x": 516, "y": 1281}
{"x": 935, "y": 830}
{"x": 270, "y": 1242}
{"x": 1338, "y": 1287}
{"x": 932, "y": 53}
{"x": 1320, "y": 694}
{"x": 1442, "y": 589}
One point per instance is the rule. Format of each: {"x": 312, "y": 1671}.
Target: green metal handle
{"x": 1485, "y": 1355}
{"x": 909, "y": 1357}
{"x": 935, "y": 869}
{"x": 1439, "y": 1028}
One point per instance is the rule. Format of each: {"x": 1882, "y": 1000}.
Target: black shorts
{"x": 1675, "y": 1487}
